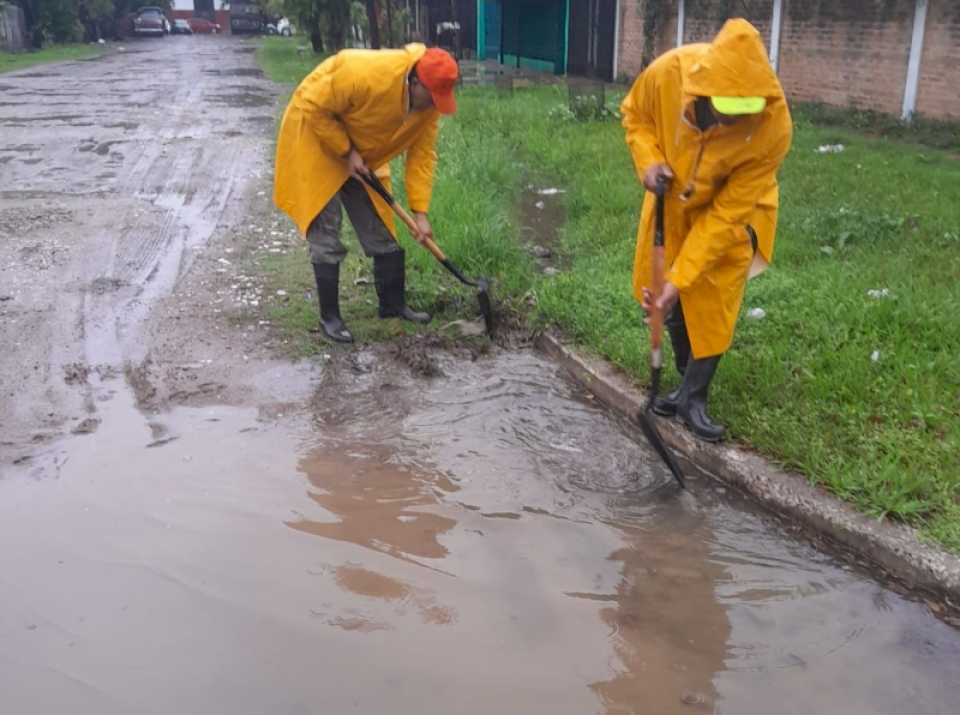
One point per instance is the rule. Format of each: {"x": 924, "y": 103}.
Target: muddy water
{"x": 485, "y": 541}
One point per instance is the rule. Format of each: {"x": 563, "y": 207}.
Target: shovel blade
{"x": 486, "y": 306}
{"x": 656, "y": 441}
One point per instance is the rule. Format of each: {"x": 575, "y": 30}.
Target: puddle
{"x": 486, "y": 541}
{"x": 241, "y": 99}
{"x": 236, "y": 72}
{"x": 542, "y": 214}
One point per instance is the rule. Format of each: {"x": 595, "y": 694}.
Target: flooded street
{"x": 485, "y": 541}
{"x": 191, "y": 524}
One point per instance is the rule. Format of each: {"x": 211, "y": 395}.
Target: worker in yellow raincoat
{"x": 349, "y": 117}
{"x": 711, "y": 123}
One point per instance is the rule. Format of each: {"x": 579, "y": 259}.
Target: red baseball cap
{"x": 438, "y": 72}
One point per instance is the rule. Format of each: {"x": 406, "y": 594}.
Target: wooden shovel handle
{"x": 373, "y": 181}
{"x": 656, "y": 315}
{"x": 412, "y": 225}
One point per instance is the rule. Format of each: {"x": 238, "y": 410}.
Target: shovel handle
{"x": 656, "y": 315}
{"x": 373, "y": 181}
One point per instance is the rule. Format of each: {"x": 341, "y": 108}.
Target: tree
{"x": 373, "y": 23}
{"x": 327, "y": 22}
{"x": 95, "y": 16}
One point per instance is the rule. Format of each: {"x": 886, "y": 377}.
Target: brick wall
{"x": 938, "y": 94}
{"x": 632, "y": 34}
{"x": 704, "y": 18}
{"x": 849, "y": 53}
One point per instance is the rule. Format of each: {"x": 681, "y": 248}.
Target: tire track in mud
{"x": 139, "y": 174}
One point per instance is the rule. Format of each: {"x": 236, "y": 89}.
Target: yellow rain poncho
{"x": 725, "y": 177}
{"x": 358, "y": 98}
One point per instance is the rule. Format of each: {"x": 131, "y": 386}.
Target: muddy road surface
{"x": 114, "y": 174}
{"x": 192, "y": 524}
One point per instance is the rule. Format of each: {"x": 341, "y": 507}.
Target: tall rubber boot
{"x": 389, "y": 274}
{"x": 692, "y": 405}
{"x": 666, "y": 406}
{"x": 327, "y": 276}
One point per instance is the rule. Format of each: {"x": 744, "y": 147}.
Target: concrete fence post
{"x": 913, "y": 65}
{"x": 776, "y": 23}
{"x": 681, "y": 20}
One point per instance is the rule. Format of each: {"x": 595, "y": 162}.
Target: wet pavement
{"x": 352, "y": 536}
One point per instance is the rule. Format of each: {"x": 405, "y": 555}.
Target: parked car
{"x": 282, "y": 28}
{"x": 181, "y": 27}
{"x": 203, "y": 26}
{"x": 150, "y": 21}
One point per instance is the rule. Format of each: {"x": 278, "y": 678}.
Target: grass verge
{"x": 851, "y": 378}
{"x": 11, "y": 61}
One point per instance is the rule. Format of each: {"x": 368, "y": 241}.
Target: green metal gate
{"x": 528, "y": 34}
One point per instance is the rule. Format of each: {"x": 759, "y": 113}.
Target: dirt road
{"x": 116, "y": 172}
{"x": 232, "y": 532}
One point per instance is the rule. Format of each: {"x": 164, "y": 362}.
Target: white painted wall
{"x": 183, "y": 5}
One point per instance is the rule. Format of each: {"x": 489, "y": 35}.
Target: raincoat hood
{"x": 735, "y": 64}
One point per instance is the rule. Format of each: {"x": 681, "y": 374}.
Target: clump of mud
{"x": 75, "y": 373}
{"x": 416, "y": 352}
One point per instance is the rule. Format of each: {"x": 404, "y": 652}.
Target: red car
{"x": 203, "y": 26}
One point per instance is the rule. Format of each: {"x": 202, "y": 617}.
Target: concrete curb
{"x": 893, "y": 547}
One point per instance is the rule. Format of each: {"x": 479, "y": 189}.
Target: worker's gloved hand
{"x": 656, "y": 174}
{"x": 358, "y": 167}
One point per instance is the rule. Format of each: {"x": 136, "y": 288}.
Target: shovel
{"x": 645, "y": 416}
{"x": 481, "y": 284}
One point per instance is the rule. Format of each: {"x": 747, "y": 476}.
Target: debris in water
{"x": 550, "y": 192}
{"x": 541, "y": 251}
{"x": 756, "y": 314}
{"x": 87, "y": 426}
{"x": 75, "y": 373}
{"x": 540, "y": 204}
{"x": 879, "y": 293}
{"x": 875, "y": 356}
{"x": 281, "y": 293}
{"x": 161, "y": 442}
{"x": 830, "y": 148}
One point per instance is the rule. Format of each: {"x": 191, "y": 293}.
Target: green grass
{"x": 10, "y": 61}
{"x": 287, "y": 59}
{"x": 800, "y": 385}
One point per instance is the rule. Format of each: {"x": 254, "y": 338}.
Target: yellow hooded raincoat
{"x": 725, "y": 177}
{"x": 358, "y": 98}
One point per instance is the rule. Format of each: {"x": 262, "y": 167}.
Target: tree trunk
{"x": 316, "y": 35}
{"x": 390, "y": 40}
{"x": 372, "y": 15}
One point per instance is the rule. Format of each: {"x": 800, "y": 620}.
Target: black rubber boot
{"x": 328, "y": 295}
{"x": 677, "y": 327}
{"x": 389, "y": 274}
{"x": 666, "y": 406}
{"x": 692, "y": 403}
